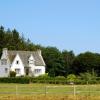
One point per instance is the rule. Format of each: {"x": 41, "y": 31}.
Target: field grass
{"x": 48, "y": 97}
{"x": 49, "y": 92}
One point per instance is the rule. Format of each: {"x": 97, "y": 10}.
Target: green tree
{"x": 68, "y": 57}
{"x": 86, "y": 62}
{"x": 88, "y": 76}
{"x": 54, "y": 61}
{"x": 2, "y": 42}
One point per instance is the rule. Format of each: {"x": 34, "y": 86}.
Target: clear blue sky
{"x": 66, "y": 24}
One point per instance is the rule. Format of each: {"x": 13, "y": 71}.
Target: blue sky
{"x": 66, "y": 24}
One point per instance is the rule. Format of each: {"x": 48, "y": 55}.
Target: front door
{"x": 27, "y": 71}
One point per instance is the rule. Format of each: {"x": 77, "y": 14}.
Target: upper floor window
{"x": 31, "y": 59}
{"x": 3, "y": 62}
{"x": 17, "y": 62}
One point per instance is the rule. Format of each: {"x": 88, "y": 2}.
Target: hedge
{"x": 49, "y": 80}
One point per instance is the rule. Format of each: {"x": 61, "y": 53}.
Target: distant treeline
{"x": 58, "y": 63}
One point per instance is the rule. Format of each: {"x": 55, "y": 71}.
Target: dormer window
{"x": 31, "y": 62}
{"x": 31, "y": 59}
{"x": 3, "y": 62}
{"x": 28, "y": 62}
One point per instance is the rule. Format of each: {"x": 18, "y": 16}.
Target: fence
{"x": 51, "y": 89}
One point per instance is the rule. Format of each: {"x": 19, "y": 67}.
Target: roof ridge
{"x": 25, "y": 55}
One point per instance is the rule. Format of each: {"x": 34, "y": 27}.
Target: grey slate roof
{"x": 24, "y": 55}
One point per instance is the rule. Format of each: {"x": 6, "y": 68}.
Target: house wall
{"x": 42, "y": 68}
{"x": 18, "y": 65}
{"x": 4, "y": 70}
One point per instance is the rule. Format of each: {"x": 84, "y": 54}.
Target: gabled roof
{"x": 24, "y": 55}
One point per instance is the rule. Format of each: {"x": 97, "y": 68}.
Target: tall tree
{"x": 68, "y": 57}
{"x": 2, "y": 42}
{"x": 54, "y": 61}
{"x": 86, "y": 62}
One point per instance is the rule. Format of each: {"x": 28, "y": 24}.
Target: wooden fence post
{"x": 16, "y": 90}
{"x": 74, "y": 89}
{"x": 45, "y": 90}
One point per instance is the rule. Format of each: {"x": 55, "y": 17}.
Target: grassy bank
{"x": 48, "y": 97}
{"x": 49, "y": 92}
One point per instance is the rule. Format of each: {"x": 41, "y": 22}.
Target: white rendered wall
{"x": 18, "y": 66}
{"x": 42, "y": 70}
{"x": 2, "y": 71}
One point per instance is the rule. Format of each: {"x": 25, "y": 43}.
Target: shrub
{"x": 71, "y": 78}
{"x": 12, "y": 74}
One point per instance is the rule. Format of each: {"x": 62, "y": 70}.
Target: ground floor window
{"x": 17, "y": 70}
{"x": 6, "y": 70}
{"x": 37, "y": 70}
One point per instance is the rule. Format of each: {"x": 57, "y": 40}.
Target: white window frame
{"x": 38, "y": 71}
{"x": 17, "y": 70}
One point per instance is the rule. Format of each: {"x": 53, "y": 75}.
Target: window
{"x": 28, "y": 62}
{"x": 3, "y": 62}
{"x": 17, "y": 71}
{"x": 37, "y": 70}
{"x": 31, "y": 62}
{"x": 17, "y": 62}
{"x": 6, "y": 70}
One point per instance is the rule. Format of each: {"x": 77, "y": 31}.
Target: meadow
{"x": 49, "y": 92}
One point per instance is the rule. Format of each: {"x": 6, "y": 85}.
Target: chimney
{"x": 5, "y": 51}
{"x": 39, "y": 52}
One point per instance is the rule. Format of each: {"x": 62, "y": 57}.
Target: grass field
{"x": 49, "y": 92}
{"x": 49, "y": 97}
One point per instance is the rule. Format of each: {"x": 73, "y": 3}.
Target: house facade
{"x": 29, "y": 63}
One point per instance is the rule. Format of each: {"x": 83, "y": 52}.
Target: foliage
{"x": 49, "y": 80}
{"x": 54, "y": 61}
{"x": 86, "y": 62}
{"x": 12, "y": 74}
{"x": 68, "y": 57}
{"x": 87, "y": 76}
{"x": 71, "y": 78}
{"x": 44, "y": 75}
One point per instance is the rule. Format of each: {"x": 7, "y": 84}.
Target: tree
{"x": 54, "y": 61}
{"x": 68, "y": 57}
{"x": 16, "y": 39}
{"x": 86, "y": 62}
{"x": 2, "y": 42}
{"x": 88, "y": 76}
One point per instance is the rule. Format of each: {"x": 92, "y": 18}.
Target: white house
{"x": 22, "y": 62}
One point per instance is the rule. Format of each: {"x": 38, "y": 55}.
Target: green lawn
{"x": 45, "y": 89}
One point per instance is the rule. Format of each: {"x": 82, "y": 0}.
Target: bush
{"x": 15, "y": 80}
{"x": 71, "y": 78}
{"x": 12, "y": 74}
